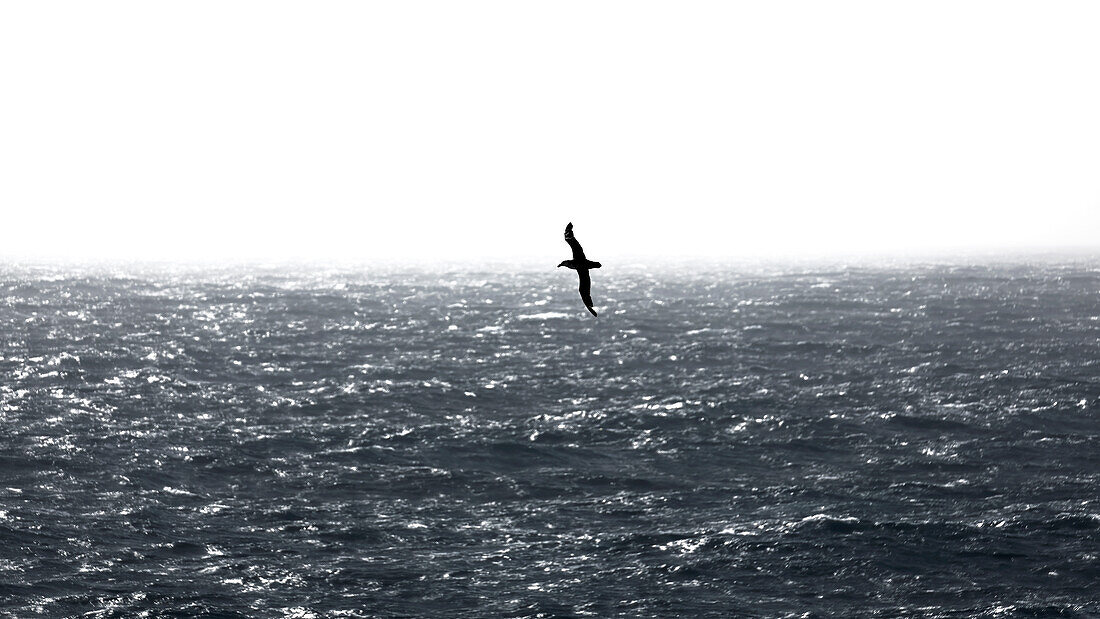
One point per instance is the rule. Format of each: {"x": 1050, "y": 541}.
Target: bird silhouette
{"x": 581, "y": 265}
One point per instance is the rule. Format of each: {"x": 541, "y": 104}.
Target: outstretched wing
{"x": 578, "y": 253}
{"x": 586, "y": 290}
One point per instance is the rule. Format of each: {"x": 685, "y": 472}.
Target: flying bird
{"x": 581, "y": 265}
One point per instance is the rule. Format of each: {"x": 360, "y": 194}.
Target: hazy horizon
{"x": 871, "y": 260}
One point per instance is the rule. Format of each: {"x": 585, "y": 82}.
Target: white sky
{"x": 460, "y": 130}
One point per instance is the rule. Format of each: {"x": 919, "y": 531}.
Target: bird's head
{"x": 562, "y": 264}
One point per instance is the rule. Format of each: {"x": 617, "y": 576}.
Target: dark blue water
{"x": 917, "y": 441}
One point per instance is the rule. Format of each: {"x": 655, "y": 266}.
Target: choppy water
{"x": 918, "y": 441}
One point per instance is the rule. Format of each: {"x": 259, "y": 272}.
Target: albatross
{"x": 581, "y": 265}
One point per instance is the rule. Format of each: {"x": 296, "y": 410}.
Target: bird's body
{"x": 581, "y": 265}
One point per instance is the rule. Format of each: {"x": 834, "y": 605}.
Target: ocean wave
{"x": 916, "y": 441}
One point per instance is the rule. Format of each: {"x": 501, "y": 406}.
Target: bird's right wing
{"x": 578, "y": 253}
{"x": 586, "y": 290}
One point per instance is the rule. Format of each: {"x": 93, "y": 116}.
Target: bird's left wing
{"x": 586, "y": 290}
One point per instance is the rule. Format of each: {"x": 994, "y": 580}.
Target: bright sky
{"x": 460, "y": 130}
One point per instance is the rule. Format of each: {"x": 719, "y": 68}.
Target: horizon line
{"x": 974, "y": 256}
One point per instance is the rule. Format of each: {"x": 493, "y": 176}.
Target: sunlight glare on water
{"x": 917, "y": 440}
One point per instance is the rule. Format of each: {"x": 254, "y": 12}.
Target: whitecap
{"x": 543, "y": 316}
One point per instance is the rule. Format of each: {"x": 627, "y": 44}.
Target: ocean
{"x": 917, "y": 440}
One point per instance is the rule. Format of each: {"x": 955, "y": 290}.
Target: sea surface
{"x": 915, "y": 440}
